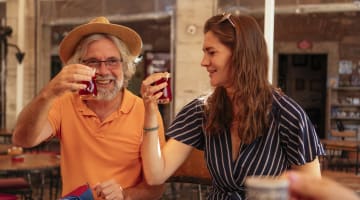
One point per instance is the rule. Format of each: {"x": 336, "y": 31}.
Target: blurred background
{"x": 317, "y": 34}
{"x": 314, "y": 47}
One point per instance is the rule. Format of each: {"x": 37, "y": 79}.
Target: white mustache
{"x": 105, "y": 78}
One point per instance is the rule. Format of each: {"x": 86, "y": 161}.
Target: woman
{"x": 245, "y": 126}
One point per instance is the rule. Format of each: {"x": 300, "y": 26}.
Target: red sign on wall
{"x": 304, "y": 44}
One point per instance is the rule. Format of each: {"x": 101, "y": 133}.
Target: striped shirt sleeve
{"x": 187, "y": 126}
{"x": 298, "y": 135}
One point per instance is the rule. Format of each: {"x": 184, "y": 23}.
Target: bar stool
{"x": 16, "y": 186}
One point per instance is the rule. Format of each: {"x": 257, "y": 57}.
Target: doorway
{"x": 303, "y": 78}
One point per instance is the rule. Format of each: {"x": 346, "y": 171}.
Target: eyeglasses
{"x": 110, "y": 63}
{"x": 227, "y": 16}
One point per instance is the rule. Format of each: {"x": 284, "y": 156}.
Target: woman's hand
{"x": 150, "y": 91}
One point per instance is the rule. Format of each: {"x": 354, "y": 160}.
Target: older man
{"x": 100, "y": 137}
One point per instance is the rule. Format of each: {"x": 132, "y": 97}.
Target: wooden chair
{"x": 51, "y": 146}
{"x": 343, "y": 150}
{"x": 55, "y": 183}
{"x": 16, "y": 186}
{"x": 52, "y": 177}
{"x": 7, "y": 197}
{"x": 193, "y": 171}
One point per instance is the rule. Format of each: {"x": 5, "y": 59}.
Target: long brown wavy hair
{"x": 249, "y": 76}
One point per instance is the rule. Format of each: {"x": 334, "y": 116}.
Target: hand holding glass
{"x": 166, "y": 97}
{"x": 90, "y": 92}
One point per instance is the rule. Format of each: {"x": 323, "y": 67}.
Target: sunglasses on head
{"x": 227, "y": 16}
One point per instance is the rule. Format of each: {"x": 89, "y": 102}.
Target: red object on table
{"x": 19, "y": 158}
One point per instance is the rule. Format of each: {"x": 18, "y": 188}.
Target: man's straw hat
{"x": 99, "y": 25}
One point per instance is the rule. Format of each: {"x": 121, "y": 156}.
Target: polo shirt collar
{"x": 127, "y": 104}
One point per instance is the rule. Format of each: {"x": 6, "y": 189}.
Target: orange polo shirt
{"x": 93, "y": 151}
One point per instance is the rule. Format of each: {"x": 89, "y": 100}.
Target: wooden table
{"x": 37, "y": 161}
{"x": 42, "y": 163}
{"x": 344, "y": 145}
{"x": 4, "y": 148}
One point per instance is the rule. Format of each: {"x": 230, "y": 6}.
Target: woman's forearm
{"x": 153, "y": 162}
{"x": 312, "y": 168}
{"x": 158, "y": 163}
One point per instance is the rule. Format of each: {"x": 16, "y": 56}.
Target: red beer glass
{"x": 166, "y": 97}
{"x": 90, "y": 92}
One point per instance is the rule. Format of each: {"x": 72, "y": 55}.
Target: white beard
{"x": 106, "y": 94}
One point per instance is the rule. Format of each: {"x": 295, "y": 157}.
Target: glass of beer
{"x": 166, "y": 97}
{"x": 90, "y": 92}
{"x": 269, "y": 188}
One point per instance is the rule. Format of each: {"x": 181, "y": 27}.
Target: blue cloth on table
{"x": 81, "y": 193}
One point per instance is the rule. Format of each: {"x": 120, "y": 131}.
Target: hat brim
{"x": 125, "y": 34}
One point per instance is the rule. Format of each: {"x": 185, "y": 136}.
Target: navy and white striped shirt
{"x": 290, "y": 140}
